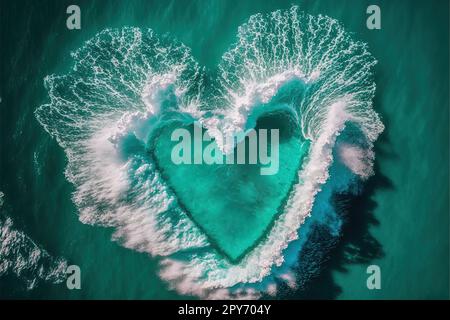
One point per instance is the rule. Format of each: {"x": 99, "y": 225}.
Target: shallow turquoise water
{"x": 238, "y": 205}
{"x": 400, "y": 222}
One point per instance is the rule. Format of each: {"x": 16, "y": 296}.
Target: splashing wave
{"x": 127, "y": 82}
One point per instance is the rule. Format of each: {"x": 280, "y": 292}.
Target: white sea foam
{"x": 21, "y": 256}
{"x": 357, "y": 159}
{"x": 104, "y": 112}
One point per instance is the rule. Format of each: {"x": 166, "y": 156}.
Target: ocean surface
{"x": 364, "y": 149}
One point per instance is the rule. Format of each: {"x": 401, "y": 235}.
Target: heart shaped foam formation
{"x": 127, "y": 84}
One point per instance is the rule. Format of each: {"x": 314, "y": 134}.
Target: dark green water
{"x": 400, "y": 222}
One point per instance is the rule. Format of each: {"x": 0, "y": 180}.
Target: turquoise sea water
{"x": 224, "y": 208}
{"x": 399, "y": 221}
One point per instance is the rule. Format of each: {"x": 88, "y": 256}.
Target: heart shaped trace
{"x": 235, "y": 205}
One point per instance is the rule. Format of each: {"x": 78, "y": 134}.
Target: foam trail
{"x": 127, "y": 83}
{"x": 21, "y": 256}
